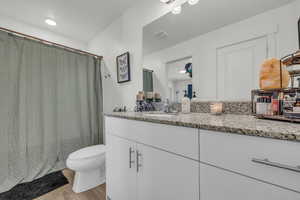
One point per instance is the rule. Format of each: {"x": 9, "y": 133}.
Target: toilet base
{"x": 87, "y": 180}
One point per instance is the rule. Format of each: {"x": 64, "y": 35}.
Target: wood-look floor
{"x": 65, "y": 192}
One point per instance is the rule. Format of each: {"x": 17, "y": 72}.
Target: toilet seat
{"x": 87, "y": 152}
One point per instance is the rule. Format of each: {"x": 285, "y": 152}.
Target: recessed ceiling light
{"x": 193, "y": 2}
{"x": 50, "y": 22}
{"x": 176, "y": 10}
{"x": 182, "y": 72}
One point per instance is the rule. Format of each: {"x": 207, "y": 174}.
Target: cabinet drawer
{"x": 217, "y": 184}
{"x": 175, "y": 139}
{"x": 237, "y": 153}
{"x": 119, "y": 127}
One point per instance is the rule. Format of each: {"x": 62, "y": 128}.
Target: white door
{"x": 238, "y": 68}
{"x": 165, "y": 176}
{"x": 217, "y": 184}
{"x": 120, "y": 173}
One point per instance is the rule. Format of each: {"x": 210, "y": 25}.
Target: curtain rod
{"x": 50, "y": 43}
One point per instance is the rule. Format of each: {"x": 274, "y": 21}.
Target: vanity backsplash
{"x": 230, "y": 107}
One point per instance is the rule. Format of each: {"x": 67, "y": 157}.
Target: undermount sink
{"x": 161, "y": 114}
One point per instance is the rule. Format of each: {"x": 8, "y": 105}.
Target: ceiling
{"x": 77, "y": 19}
{"x": 206, "y": 16}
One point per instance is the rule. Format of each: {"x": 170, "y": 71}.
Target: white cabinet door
{"x": 238, "y": 68}
{"x": 120, "y": 176}
{"x": 217, "y": 184}
{"x": 166, "y": 176}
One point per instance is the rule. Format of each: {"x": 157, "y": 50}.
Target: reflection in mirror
{"x": 147, "y": 80}
{"x": 226, "y": 42}
{"x": 179, "y": 76}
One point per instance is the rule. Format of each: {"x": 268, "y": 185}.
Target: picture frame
{"x": 299, "y": 32}
{"x": 123, "y": 68}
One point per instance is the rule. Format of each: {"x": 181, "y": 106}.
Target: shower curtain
{"x": 51, "y": 105}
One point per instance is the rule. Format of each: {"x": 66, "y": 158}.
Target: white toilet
{"x": 89, "y": 166}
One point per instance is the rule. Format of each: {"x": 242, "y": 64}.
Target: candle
{"x": 157, "y": 96}
{"x": 139, "y": 97}
{"x": 216, "y": 108}
{"x": 149, "y": 95}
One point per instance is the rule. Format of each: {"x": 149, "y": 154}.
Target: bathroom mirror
{"x": 224, "y": 42}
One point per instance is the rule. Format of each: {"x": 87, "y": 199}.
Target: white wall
{"x": 279, "y": 26}
{"x": 28, "y": 29}
{"x": 125, "y": 34}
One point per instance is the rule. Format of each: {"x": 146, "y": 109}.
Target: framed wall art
{"x": 123, "y": 68}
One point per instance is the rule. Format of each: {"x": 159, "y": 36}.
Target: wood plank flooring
{"x": 65, "y": 192}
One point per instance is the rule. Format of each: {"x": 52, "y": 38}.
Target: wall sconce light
{"x": 193, "y": 2}
{"x": 176, "y": 10}
{"x": 167, "y": 1}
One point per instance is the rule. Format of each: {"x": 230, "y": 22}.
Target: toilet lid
{"x": 88, "y": 152}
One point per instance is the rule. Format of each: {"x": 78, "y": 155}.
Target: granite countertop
{"x": 229, "y": 123}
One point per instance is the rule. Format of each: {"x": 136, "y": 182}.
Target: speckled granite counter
{"x": 239, "y": 124}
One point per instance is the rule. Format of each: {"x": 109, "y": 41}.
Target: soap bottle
{"x": 194, "y": 99}
{"x": 259, "y": 106}
{"x": 269, "y": 106}
{"x": 275, "y": 104}
{"x": 185, "y": 103}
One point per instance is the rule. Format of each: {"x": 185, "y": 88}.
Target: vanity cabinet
{"x": 147, "y": 161}
{"x": 141, "y": 167}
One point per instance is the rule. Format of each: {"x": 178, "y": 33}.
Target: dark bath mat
{"x": 36, "y": 188}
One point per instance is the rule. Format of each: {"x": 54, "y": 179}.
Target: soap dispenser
{"x": 185, "y": 103}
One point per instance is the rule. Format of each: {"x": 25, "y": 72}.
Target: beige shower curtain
{"x": 50, "y": 103}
